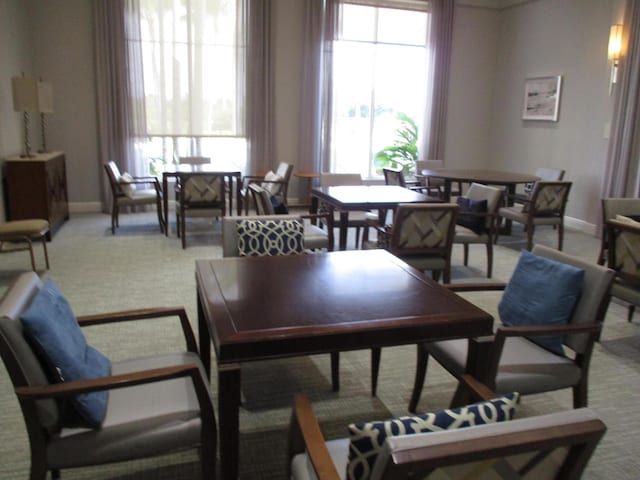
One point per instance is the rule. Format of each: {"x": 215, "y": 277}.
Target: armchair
{"x": 545, "y": 174}
{"x": 277, "y": 183}
{"x": 623, "y": 251}
{"x": 511, "y": 360}
{"x": 545, "y": 207}
{"x": 180, "y": 417}
{"x": 124, "y": 193}
{"x": 611, "y": 207}
{"x": 556, "y": 446}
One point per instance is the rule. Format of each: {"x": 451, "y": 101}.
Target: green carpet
{"x": 138, "y": 267}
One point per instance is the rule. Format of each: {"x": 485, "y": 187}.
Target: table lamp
{"x": 45, "y": 105}
{"x": 25, "y": 100}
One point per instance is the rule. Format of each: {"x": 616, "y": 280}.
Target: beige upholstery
{"x": 515, "y": 363}
{"x": 199, "y": 194}
{"x": 624, "y": 258}
{"x": 465, "y": 236}
{"x": 125, "y": 194}
{"x": 555, "y": 446}
{"x": 277, "y": 183}
{"x": 24, "y": 231}
{"x": 179, "y": 416}
{"x": 610, "y": 208}
{"x": 545, "y": 207}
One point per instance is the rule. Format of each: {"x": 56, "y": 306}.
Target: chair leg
{"x": 560, "y": 236}
{"x": 357, "y": 237}
{"x": 580, "y": 393}
{"x": 375, "y": 368}
{"x": 183, "y": 231}
{"x": 114, "y": 218}
{"x": 46, "y": 254}
{"x": 30, "y": 246}
{"x": 335, "y": 371}
{"x": 465, "y": 247}
{"x": 632, "y": 309}
{"x": 530, "y": 237}
{"x": 489, "y": 259}
{"x": 421, "y": 372}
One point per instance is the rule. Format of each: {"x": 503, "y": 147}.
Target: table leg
{"x": 229, "y": 419}
{"x": 238, "y": 202}
{"x": 511, "y": 191}
{"x": 344, "y": 224}
{"x": 447, "y": 190}
{"x": 165, "y": 202}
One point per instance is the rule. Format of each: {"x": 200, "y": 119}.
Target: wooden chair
{"x": 556, "y": 446}
{"x": 611, "y": 207}
{"x": 545, "y": 174}
{"x": 545, "y": 207}
{"x": 25, "y": 231}
{"x": 199, "y": 195}
{"x": 124, "y": 193}
{"x": 479, "y": 227}
{"x": 512, "y": 362}
{"x": 624, "y": 257}
{"x": 157, "y": 405}
{"x": 277, "y": 183}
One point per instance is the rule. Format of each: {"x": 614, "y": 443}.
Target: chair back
{"x": 545, "y": 174}
{"x": 261, "y": 199}
{"x": 194, "y": 161}
{"x": 284, "y": 170}
{"x": 113, "y": 174}
{"x": 549, "y": 199}
{"x": 592, "y": 304}
{"x": 201, "y": 190}
{"x": 619, "y": 206}
{"x": 394, "y": 176}
{"x": 624, "y": 250}
{"x": 20, "y": 359}
{"x": 492, "y": 195}
{"x": 339, "y": 179}
{"x": 554, "y": 446}
{"x": 230, "y": 230}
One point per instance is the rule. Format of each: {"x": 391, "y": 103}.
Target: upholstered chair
{"x": 545, "y": 174}
{"x": 624, "y": 257}
{"x": 276, "y": 183}
{"x": 611, "y": 207}
{"x": 25, "y": 231}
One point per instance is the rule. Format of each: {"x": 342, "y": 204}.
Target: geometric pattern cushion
{"x": 259, "y": 238}
{"x": 477, "y": 223}
{"x": 367, "y": 438}
{"x": 425, "y": 228}
{"x": 550, "y": 199}
{"x": 541, "y": 292}
{"x": 52, "y": 329}
{"x": 627, "y": 252}
{"x": 203, "y": 188}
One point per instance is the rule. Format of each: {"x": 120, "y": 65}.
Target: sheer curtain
{"x": 622, "y": 173}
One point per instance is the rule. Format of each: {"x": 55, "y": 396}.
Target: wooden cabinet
{"x": 36, "y": 187}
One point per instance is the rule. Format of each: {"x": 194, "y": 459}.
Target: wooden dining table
{"x": 320, "y": 303}
{"x": 233, "y": 179}
{"x": 347, "y": 198}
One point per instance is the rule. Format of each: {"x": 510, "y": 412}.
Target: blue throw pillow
{"x": 541, "y": 292}
{"x": 366, "y": 439}
{"x": 259, "y": 238}
{"x": 477, "y": 223}
{"x": 52, "y": 328}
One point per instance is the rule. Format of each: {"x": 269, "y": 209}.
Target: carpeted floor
{"x": 139, "y": 267}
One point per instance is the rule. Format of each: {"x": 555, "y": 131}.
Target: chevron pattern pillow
{"x": 260, "y": 238}
{"x": 366, "y": 439}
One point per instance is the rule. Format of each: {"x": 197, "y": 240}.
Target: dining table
{"x": 172, "y": 171}
{"x": 321, "y": 303}
{"x": 345, "y": 198}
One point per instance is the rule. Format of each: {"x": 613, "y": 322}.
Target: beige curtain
{"x": 441, "y": 33}
{"x": 120, "y": 101}
{"x": 621, "y": 173}
{"x": 259, "y": 87}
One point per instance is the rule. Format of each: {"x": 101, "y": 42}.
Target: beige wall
{"x": 494, "y": 50}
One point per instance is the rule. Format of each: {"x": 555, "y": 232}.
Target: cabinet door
{"x": 57, "y": 190}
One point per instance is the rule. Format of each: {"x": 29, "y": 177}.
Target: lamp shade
{"x": 25, "y": 94}
{"x": 45, "y": 97}
{"x": 615, "y": 42}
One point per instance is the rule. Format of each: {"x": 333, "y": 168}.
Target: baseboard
{"x": 580, "y": 225}
{"x": 85, "y": 207}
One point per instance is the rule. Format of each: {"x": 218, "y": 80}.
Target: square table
{"x": 364, "y": 197}
{"x": 258, "y": 308}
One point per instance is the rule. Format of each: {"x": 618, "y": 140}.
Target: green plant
{"x": 404, "y": 151}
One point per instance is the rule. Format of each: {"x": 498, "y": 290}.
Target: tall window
{"x": 192, "y": 59}
{"x": 381, "y": 68}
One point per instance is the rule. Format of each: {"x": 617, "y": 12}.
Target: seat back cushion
{"x": 272, "y": 188}
{"x": 270, "y": 237}
{"x": 541, "y": 292}
{"x": 366, "y": 439}
{"x": 52, "y": 329}
{"x": 466, "y": 217}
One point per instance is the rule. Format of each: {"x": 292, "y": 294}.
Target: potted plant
{"x": 404, "y": 151}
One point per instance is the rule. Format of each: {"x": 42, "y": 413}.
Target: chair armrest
{"x": 477, "y": 388}
{"x": 535, "y": 330}
{"x": 145, "y": 314}
{"x": 475, "y": 286}
{"x": 305, "y": 434}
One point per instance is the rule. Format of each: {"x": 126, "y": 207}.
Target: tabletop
{"x": 481, "y": 175}
{"x": 367, "y": 197}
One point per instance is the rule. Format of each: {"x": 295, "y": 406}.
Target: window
{"x": 381, "y": 68}
{"x": 192, "y": 61}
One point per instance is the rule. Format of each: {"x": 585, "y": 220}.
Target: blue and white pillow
{"x": 366, "y": 439}
{"x": 52, "y": 328}
{"x": 260, "y": 238}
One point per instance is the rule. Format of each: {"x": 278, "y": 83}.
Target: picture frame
{"x": 542, "y": 98}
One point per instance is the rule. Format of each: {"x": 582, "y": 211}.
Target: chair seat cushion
{"x": 466, "y": 211}
{"x": 53, "y": 329}
{"x": 367, "y": 438}
{"x": 541, "y": 292}
{"x": 24, "y": 228}
{"x": 466, "y": 235}
{"x": 270, "y": 237}
{"x": 315, "y": 237}
{"x": 519, "y": 214}
{"x": 170, "y": 421}
{"x": 302, "y": 469}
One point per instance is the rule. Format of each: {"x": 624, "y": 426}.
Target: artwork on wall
{"x": 542, "y": 98}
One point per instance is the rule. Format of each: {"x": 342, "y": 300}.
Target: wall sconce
{"x": 45, "y": 105}
{"x": 25, "y": 100}
{"x": 615, "y": 50}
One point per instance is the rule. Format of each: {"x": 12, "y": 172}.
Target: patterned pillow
{"x": 366, "y": 439}
{"x": 260, "y": 238}
{"x": 477, "y": 223}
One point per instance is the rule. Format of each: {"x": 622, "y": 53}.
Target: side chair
{"x": 545, "y": 347}
{"x": 25, "y": 231}
{"x": 128, "y": 425}
{"x": 277, "y": 183}
{"x": 545, "y": 174}
{"x": 623, "y": 253}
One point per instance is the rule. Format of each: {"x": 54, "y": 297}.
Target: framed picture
{"x": 542, "y": 98}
